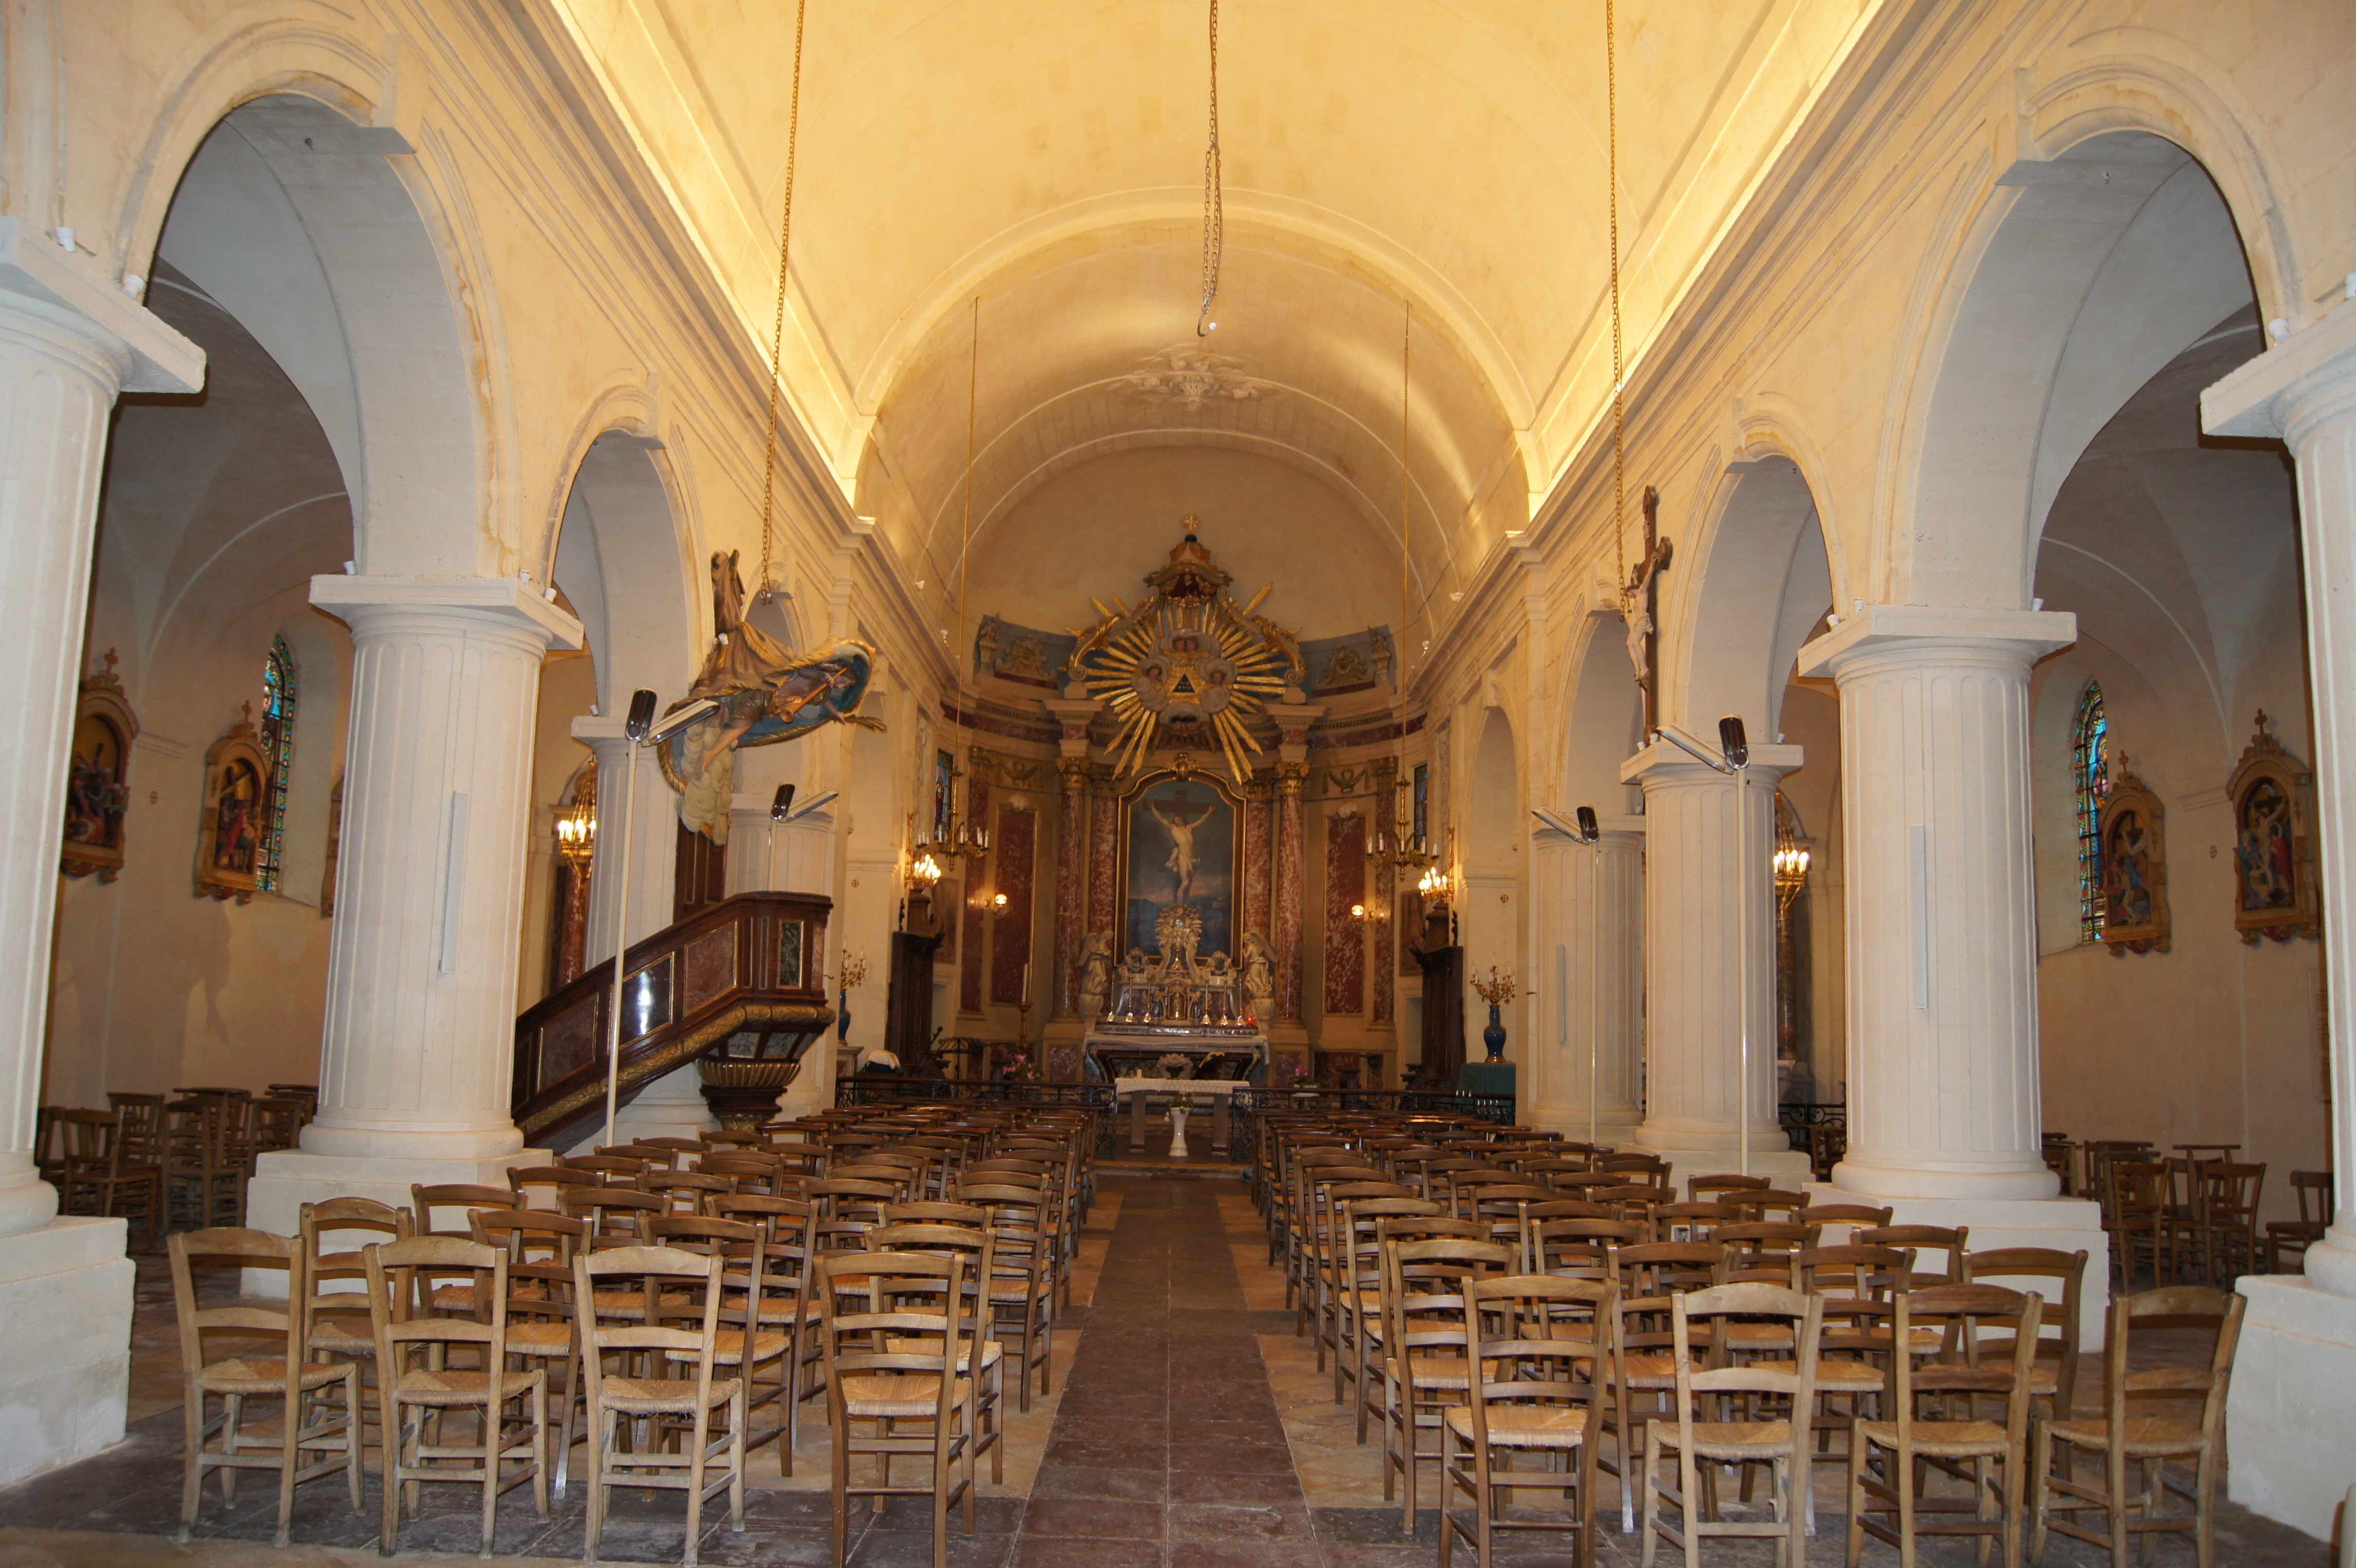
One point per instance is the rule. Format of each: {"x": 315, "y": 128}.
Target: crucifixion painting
{"x": 1181, "y": 850}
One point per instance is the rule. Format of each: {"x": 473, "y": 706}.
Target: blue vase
{"x": 1493, "y": 1036}
{"x": 843, "y": 1020}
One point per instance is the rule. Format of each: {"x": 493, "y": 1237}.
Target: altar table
{"x": 1220, "y": 1091}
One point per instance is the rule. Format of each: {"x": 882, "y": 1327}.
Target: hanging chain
{"x": 1215, "y": 205}
{"x": 1619, "y": 372}
{"x": 778, "y": 326}
{"x": 1407, "y": 350}
{"x": 965, "y": 550}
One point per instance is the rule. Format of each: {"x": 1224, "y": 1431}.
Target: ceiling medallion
{"x": 1192, "y": 377}
{"x": 1188, "y": 666}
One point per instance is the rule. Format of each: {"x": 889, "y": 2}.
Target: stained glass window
{"x": 1422, "y": 799}
{"x": 278, "y": 744}
{"x": 2090, "y": 773}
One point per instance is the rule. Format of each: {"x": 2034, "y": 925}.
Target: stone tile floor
{"x": 1186, "y": 1426}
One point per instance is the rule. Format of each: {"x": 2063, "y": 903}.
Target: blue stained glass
{"x": 278, "y": 744}
{"x": 2090, "y": 773}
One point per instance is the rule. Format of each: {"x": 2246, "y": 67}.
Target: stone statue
{"x": 1260, "y": 975}
{"x": 1096, "y": 973}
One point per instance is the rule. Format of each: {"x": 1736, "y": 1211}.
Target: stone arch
{"x": 1606, "y": 719}
{"x": 1756, "y": 579}
{"x": 290, "y": 212}
{"x": 2080, "y": 276}
{"x": 625, "y": 556}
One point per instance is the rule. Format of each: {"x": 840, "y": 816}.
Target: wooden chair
{"x": 541, "y": 1328}
{"x": 961, "y": 1229}
{"x": 1705, "y": 1188}
{"x": 1353, "y": 1284}
{"x": 336, "y": 1233}
{"x": 642, "y": 1385}
{"x": 2293, "y": 1236}
{"x": 2134, "y": 1438}
{"x": 1858, "y": 1216}
{"x": 1750, "y": 1431}
{"x": 686, "y": 1192}
{"x": 788, "y": 1306}
{"x": 143, "y": 1125}
{"x": 1023, "y": 1289}
{"x": 2143, "y": 1221}
{"x": 616, "y": 1215}
{"x": 1531, "y": 1344}
{"x": 1890, "y": 1505}
{"x": 272, "y": 1368}
{"x": 1389, "y": 1232}
{"x": 1855, "y": 1282}
{"x": 894, "y": 1331}
{"x": 2060, "y": 1279}
{"x": 1643, "y": 1374}
{"x": 540, "y": 1187}
{"x": 417, "y": 1386}
{"x": 97, "y": 1175}
{"x": 1948, "y": 1242}
{"x": 2225, "y": 1219}
{"x": 204, "y": 1178}
{"x": 1423, "y": 1367}
{"x": 277, "y": 1123}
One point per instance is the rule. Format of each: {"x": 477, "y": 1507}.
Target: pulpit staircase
{"x": 744, "y": 977}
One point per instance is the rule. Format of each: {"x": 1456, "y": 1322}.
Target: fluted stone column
{"x": 1943, "y": 1091}
{"x": 415, "y": 1080}
{"x": 1591, "y": 906}
{"x": 2293, "y": 1412}
{"x": 1695, "y": 1002}
{"x": 67, "y": 346}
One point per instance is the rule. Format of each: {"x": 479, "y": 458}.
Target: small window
{"x": 1422, "y": 799}
{"x": 278, "y": 746}
{"x": 2090, "y": 773}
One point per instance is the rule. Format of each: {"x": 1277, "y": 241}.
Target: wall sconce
{"x": 1357, "y": 911}
{"x": 999, "y": 899}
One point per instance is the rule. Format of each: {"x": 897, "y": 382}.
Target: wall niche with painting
{"x": 2134, "y": 867}
{"x": 98, "y": 779}
{"x": 2276, "y": 892}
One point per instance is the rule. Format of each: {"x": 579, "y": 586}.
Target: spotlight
{"x": 1730, "y": 740}
{"x": 781, "y": 809}
{"x": 1588, "y": 832}
{"x": 642, "y": 715}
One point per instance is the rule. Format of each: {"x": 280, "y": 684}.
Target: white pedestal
{"x": 2064, "y": 1224}
{"x": 2291, "y": 1419}
{"x": 65, "y": 1348}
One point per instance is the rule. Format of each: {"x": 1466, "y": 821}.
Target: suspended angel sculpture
{"x": 766, "y": 694}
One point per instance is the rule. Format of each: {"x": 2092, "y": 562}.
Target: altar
{"x": 1219, "y": 1091}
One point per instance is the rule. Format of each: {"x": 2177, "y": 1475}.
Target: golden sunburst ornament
{"x": 1188, "y": 665}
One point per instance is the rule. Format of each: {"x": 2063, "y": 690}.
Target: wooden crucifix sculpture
{"x": 1644, "y": 625}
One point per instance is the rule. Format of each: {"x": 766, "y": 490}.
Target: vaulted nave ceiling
{"x": 1048, "y": 159}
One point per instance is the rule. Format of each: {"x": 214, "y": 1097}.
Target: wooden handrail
{"x": 752, "y": 965}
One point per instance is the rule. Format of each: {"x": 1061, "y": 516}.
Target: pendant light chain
{"x": 1403, "y": 781}
{"x": 778, "y": 326}
{"x": 965, "y": 550}
{"x": 1619, "y": 373}
{"x": 1215, "y": 208}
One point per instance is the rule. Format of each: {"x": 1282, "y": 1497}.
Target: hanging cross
{"x": 1644, "y": 627}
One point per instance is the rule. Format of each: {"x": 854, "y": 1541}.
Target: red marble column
{"x": 1104, "y": 859}
{"x": 1291, "y": 777}
{"x": 1071, "y": 884}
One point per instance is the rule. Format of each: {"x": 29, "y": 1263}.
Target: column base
{"x": 1873, "y": 1182}
{"x": 65, "y": 1361}
{"x": 285, "y": 1180}
{"x": 1616, "y": 1130}
{"x": 2064, "y": 1224}
{"x": 1693, "y": 1154}
{"x": 2290, "y": 1417}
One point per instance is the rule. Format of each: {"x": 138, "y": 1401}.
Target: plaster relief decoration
{"x": 1022, "y": 654}
{"x": 228, "y": 835}
{"x": 766, "y": 694}
{"x": 2134, "y": 867}
{"x": 1191, "y": 377}
{"x": 1187, "y": 665}
{"x": 2275, "y": 891}
{"x": 1180, "y": 851}
{"x": 98, "y": 778}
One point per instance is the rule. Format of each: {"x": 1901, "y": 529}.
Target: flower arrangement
{"x": 853, "y": 972}
{"x": 1496, "y": 989}
{"x": 1303, "y": 1079}
{"x": 1019, "y": 1068}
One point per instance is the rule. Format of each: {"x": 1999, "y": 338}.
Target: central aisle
{"x": 1167, "y": 1430}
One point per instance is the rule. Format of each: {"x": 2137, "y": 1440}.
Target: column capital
{"x": 1931, "y": 634}
{"x": 1663, "y": 763}
{"x": 2307, "y": 380}
{"x": 40, "y": 276}
{"x": 490, "y": 601}
{"x": 1074, "y": 717}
